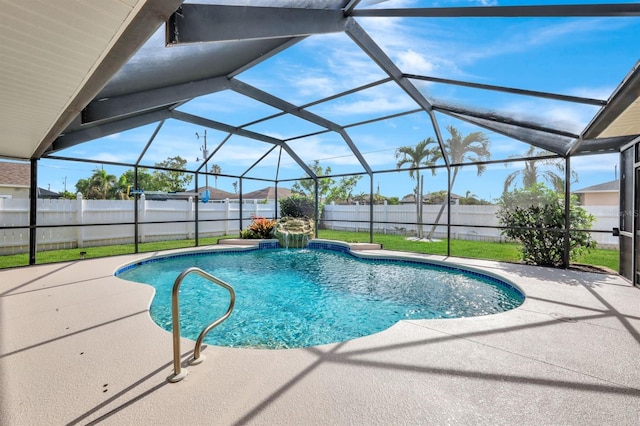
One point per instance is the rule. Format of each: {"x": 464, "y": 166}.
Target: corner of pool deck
{"x": 249, "y": 242}
{"x": 242, "y": 242}
{"x": 78, "y": 346}
{"x": 364, "y": 246}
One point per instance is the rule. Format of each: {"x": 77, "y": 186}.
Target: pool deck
{"x": 77, "y": 346}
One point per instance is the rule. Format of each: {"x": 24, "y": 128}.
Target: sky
{"x": 586, "y": 57}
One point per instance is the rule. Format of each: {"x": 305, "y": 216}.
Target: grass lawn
{"x": 507, "y": 252}
{"x": 53, "y": 256}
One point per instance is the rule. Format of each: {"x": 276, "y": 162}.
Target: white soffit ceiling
{"x": 49, "y": 50}
{"x": 626, "y": 124}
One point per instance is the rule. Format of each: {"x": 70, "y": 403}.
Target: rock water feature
{"x": 294, "y": 232}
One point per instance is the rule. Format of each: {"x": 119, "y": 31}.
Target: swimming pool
{"x": 307, "y": 297}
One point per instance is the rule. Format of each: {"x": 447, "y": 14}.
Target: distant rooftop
{"x": 15, "y": 174}
{"x": 611, "y": 186}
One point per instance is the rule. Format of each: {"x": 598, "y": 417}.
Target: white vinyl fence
{"x": 222, "y": 217}
{"x": 467, "y": 221}
{"x": 215, "y": 219}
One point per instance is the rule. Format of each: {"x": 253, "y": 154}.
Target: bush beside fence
{"x": 468, "y": 222}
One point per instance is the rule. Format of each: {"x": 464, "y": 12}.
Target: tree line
{"x": 168, "y": 177}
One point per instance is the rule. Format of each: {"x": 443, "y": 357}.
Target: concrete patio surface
{"x": 77, "y": 346}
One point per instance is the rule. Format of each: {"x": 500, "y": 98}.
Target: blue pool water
{"x": 298, "y": 298}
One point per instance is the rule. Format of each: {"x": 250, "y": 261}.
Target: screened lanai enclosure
{"x": 156, "y": 121}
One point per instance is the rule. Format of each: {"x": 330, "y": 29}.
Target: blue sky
{"x": 574, "y": 56}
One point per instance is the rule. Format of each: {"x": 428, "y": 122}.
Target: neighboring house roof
{"x": 15, "y": 174}
{"x": 217, "y": 194}
{"x": 18, "y": 175}
{"x": 45, "y": 193}
{"x": 268, "y": 193}
{"x": 611, "y": 186}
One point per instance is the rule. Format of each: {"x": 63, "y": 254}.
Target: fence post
{"x": 143, "y": 216}
{"x": 227, "y": 215}
{"x": 385, "y": 216}
{"x": 190, "y": 216}
{"x": 357, "y": 216}
{"x": 455, "y": 218}
{"x": 80, "y": 219}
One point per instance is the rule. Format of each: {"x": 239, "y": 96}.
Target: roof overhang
{"x": 57, "y": 68}
{"x": 621, "y": 116}
{"x": 107, "y": 73}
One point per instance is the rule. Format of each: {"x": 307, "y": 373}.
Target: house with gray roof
{"x": 15, "y": 180}
{"x": 602, "y": 194}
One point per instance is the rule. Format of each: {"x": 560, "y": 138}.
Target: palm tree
{"x": 532, "y": 172}
{"x": 471, "y": 148}
{"x": 100, "y": 185}
{"x": 216, "y": 170}
{"x": 419, "y": 156}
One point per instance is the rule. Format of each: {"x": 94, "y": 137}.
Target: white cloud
{"x": 565, "y": 116}
{"x": 327, "y": 152}
{"x": 415, "y": 62}
{"x": 429, "y": 48}
{"x": 451, "y": 3}
{"x": 601, "y": 93}
{"x": 110, "y": 157}
{"x": 317, "y": 86}
{"x": 373, "y": 105}
{"x": 596, "y": 163}
{"x": 387, "y": 4}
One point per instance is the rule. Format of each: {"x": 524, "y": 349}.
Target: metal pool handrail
{"x": 175, "y": 316}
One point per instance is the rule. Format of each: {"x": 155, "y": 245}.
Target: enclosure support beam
{"x": 276, "y": 182}
{"x": 535, "y": 11}
{"x": 316, "y": 213}
{"x": 369, "y": 47}
{"x": 197, "y": 216}
{"x": 450, "y": 188}
{"x": 33, "y": 212}
{"x": 193, "y": 119}
{"x": 509, "y": 129}
{"x": 136, "y": 210}
{"x": 255, "y": 163}
{"x": 146, "y": 147}
{"x": 612, "y": 144}
{"x": 501, "y": 119}
{"x": 566, "y": 258}
{"x": 371, "y": 209}
{"x": 197, "y": 23}
{"x": 512, "y": 90}
{"x": 213, "y": 152}
{"x": 121, "y": 106}
{"x": 266, "y": 98}
{"x": 92, "y": 132}
{"x": 240, "y": 206}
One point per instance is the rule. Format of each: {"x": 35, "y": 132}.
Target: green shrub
{"x": 260, "y": 228}
{"x": 536, "y": 218}
{"x": 298, "y": 206}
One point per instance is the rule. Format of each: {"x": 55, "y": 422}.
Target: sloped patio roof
{"x": 115, "y": 72}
